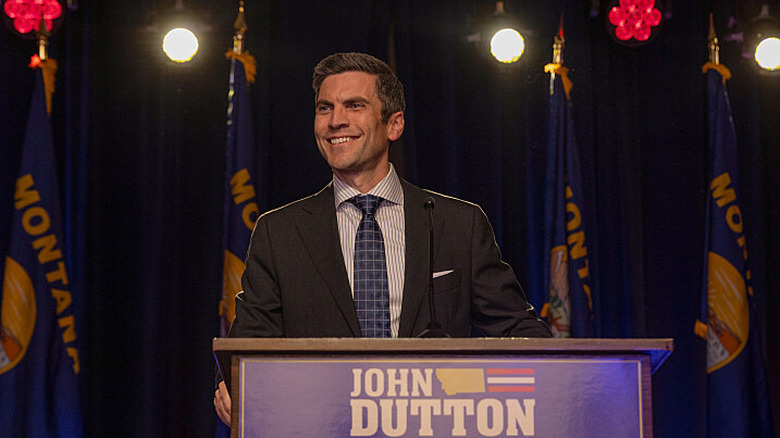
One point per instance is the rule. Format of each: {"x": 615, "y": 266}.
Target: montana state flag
{"x": 737, "y": 392}
{"x": 39, "y": 356}
{"x": 240, "y": 202}
{"x": 569, "y": 310}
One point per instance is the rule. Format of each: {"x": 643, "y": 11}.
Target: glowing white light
{"x": 180, "y": 44}
{"x": 768, "y": 54}
{"x": 507, "y": 45}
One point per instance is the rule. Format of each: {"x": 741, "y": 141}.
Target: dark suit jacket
{"x": 296, "y": 285}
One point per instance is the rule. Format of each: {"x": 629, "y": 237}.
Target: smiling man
{"x": 352, "y": 259}
{"x": 352, "y": 133}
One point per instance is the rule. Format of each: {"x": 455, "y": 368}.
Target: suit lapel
{"x": 319, "y": 232}
{"x": 416, "y": 270}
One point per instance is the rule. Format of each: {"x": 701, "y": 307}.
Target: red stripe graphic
{"x": 510, "y": 389}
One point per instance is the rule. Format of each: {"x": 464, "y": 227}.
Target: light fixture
{"x": 507, "y": 43}
{"x": 180, "y": 44}
{"x": 768, "y": 54}
{"x": 499, "y": 35}
{"x": 178, "y": 32}
{"x": 634, "y": 22}
{"x": 762, "y": 41}
{"x": 24, "y": 16}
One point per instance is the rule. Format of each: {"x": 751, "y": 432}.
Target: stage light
{"x": 761, "y": 41}
{"x": 768, "y": 54}
{"x": 507, "y": 45}
{"x": 24, "y": 16}
{"x": 181, "y": 32}
{"x": 634, "y": 22}
{"x": 501, "y": 36}
{"x": 180, "y": 44}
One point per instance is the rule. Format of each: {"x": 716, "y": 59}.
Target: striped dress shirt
{"x": 390, "y": 217}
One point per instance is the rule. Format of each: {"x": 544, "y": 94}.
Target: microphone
{"x": 433, "y": 330}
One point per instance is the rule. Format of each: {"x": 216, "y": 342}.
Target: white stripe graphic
{"x": 520, "y": 380}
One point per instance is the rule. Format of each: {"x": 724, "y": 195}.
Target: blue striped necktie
{"x": 371, "y": 292}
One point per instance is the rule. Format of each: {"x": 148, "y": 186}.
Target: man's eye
{"x": 355, "y": 105}
{"x": 323, "y": 108}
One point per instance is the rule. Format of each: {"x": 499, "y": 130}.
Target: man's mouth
{"x": 340, "y": 140}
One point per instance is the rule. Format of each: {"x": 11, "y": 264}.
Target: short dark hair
{"x": 389, "y": 89}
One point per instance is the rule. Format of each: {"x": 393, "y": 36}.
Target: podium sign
{"x": 450, "y": 387}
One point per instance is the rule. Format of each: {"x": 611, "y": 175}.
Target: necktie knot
{"x": 367, "y": 204}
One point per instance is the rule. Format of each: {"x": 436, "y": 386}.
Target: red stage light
{"x": 634, "y": 19}
{"x": 27, "y": 14}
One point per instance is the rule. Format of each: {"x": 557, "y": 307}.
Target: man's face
{"x": 349, "y": 129}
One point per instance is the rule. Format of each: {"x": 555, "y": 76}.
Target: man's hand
{"x": 222, "y": 403}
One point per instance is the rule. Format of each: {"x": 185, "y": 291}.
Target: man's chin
{"x": 343, "y": 162}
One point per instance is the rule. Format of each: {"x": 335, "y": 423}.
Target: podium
{"x": 472, "y": 387}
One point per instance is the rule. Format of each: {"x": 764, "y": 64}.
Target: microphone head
{"x": 429, "y": 203}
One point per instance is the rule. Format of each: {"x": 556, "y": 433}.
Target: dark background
{"x": 140, "y": 148}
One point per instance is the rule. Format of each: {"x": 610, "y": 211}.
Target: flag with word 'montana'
{"x": 737, "y": 392}
{"x": 39, "y": 355}
{"x": 240, "y": 202}
{"x": 569, "y": 309}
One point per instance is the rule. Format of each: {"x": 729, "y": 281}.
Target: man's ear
{"x": 395, "y": 126}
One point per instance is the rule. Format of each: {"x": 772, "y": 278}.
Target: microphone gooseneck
{"x": 429, "y": 205}
{"x": 434, "y": 329}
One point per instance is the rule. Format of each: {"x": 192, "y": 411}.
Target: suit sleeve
{"x": 499, "y": 304}
{"x": 259, "y": 305}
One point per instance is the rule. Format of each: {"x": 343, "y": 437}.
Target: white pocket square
{"x": 442, "y": 273}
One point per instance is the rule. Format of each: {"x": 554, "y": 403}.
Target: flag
{"x": 39, "y": 355}
{"x": 240, "y": 202}
{"x": 240, "y": 207}
{"x": 737, "y": 391}
{"x": 569, "y": 309}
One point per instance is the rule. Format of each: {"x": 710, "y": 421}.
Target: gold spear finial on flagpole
{"x": 556, "y": 66}
{"x": 713, "y": 44}
{"x": 43, "y": 41}
{"x": 238, "y": 52}
{"x": 239, "y": 27}
{"x": 558, "y": 45}
{"x": 714, "y": 61}
{"x": 41, "y": 60}
{"x": 557, "y": 58}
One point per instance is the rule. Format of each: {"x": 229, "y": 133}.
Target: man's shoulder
{"x": 441, "y": 200}
{"x": 312, "y": 203}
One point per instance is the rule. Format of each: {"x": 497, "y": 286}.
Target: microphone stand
{"x": 434, "y": 329}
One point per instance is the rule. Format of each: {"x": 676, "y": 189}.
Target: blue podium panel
{"x": 434, "y": 396}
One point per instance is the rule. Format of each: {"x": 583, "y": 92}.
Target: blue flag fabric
{"x": 569, "y": 310}
{"x": 240, "y": 202}
{"x": 737, "y": 391}
{"x": 39, "y": 356}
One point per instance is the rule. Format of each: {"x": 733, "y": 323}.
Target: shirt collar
{"x": 388, "y": 189}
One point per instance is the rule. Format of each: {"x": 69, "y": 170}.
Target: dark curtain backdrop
{"x": 140, "y": 145}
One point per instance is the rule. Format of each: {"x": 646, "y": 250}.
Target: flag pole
{"x": 43, "y": 41}
{"x": 714, "y": 55}
{"x": 239, "y": 51}
{"x": 557, "y": 53}
{"x": 713, "y": 44}
{"x": 556, "y": 66}
{"x": 239, "y": 28}
{"x": 41, "y": 60}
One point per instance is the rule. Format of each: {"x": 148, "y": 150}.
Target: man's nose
{"x": 338, "y": 118}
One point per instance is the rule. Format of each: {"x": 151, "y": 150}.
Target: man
{"x": 306, "y": 270}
